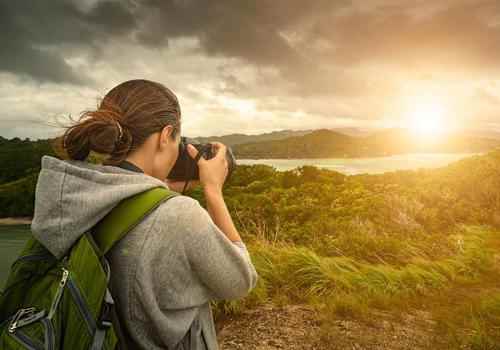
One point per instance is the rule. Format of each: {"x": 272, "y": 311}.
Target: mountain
{"x": 318, "y": 144}
{"x": 357, "y": 132}
{"x": 324, "y": 143}
{"x": 236, "y": 139}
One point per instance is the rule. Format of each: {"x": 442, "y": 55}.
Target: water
{"x": 12, "y": 239}
{"x": 377, "y": 165}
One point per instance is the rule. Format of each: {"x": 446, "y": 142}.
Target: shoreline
{"x": 23, "y": 220}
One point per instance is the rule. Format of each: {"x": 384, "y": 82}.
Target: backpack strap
{"x": 126, "y": 215}
{"x": 104, "y": 235}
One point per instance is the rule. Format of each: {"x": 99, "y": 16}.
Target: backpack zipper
{"x": 24, "y": 340}
{"x": 59, "y": 292}
{"x": 27, "y": 316}
{"x": 82, "y": 306}
{"x": 29, "y": 311}
{"x": 49, "y": 334}
{"x": 24, "y": 319}
{"x": 35, "y": 257}
{"x": 29, "y": 343}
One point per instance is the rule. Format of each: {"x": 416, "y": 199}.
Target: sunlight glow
{"x": 427, "y": 118}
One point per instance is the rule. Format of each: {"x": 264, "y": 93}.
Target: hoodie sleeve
{"x": 223, "y": 266}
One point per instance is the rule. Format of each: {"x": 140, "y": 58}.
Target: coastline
{"x": 23, "y": 220}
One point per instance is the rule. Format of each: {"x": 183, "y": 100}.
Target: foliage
{"x": 349, "y": 243}
{"x": 20, "y": 158}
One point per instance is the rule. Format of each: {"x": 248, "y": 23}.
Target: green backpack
{"x": 67, "y": 304}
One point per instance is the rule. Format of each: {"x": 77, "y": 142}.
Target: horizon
{"x": 258, "y": 68}
{"x": 480, "y": 133}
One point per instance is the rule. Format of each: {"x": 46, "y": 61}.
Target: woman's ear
{"x": 165, "y": 135}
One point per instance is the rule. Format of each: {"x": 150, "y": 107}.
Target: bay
{"x": 372, "y": 165}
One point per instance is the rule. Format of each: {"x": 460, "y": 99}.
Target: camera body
{"x": 186, "y": 168}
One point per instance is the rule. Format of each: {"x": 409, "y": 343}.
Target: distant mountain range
{"x": 237, "y": 139}
{"x": 326, "y": 143}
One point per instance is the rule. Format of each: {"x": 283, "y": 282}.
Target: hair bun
{"x": 124, "y": 119}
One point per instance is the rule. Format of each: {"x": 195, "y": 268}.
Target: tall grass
{"x": 300, "y": 269}
{"x": 299, "y": 274}
{"x": 486, "y": 324}
{"x": 474, "y": 325}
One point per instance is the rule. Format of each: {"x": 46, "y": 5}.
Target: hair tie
{"x": 120, "y": 129}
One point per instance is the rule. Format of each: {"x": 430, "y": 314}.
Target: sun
{"x": 427, "y": 118}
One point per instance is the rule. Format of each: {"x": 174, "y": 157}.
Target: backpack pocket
{"x": 28, "y": 329}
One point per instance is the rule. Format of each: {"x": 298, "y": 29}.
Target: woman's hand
{"x": 178, "y": 186}
{"x": 213, "y": 171}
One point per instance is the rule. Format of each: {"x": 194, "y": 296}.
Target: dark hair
{"x": 141, "y": 107}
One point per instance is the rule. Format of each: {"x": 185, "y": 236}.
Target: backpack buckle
{"x": 105, "y": 320}
{"x": 23, "y": 317}
{"x": 105, "y": 317}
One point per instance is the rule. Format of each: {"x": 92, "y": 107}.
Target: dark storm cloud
{"x": 318, "y": 46}
{"x": 251, "y": 30}
{"x": 321, "y": 47}
{"x": 460, "y": 35}
{"x": 35, "y": 32}
{"x": 259, "y": 33}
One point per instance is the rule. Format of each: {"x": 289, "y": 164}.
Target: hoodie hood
{"x": 71, "y": 196}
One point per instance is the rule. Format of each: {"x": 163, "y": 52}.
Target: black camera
{"x": 186, "y": 168}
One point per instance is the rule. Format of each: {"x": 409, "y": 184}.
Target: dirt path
{"x": 298, "y": 327}
{"x": 270, "y": 327}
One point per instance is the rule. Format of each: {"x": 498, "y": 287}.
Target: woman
{"x": 167, "y": 269}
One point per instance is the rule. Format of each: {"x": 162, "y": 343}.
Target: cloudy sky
{"x": 255, "y": 66}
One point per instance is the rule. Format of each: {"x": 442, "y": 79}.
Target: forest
{"x": 350, "y": 245}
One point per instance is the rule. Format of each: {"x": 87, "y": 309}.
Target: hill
{"x": 236, "y": 139}
{"x": 326, "y": 143}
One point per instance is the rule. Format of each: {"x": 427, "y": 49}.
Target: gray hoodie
{"x": 165, "y": 271}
